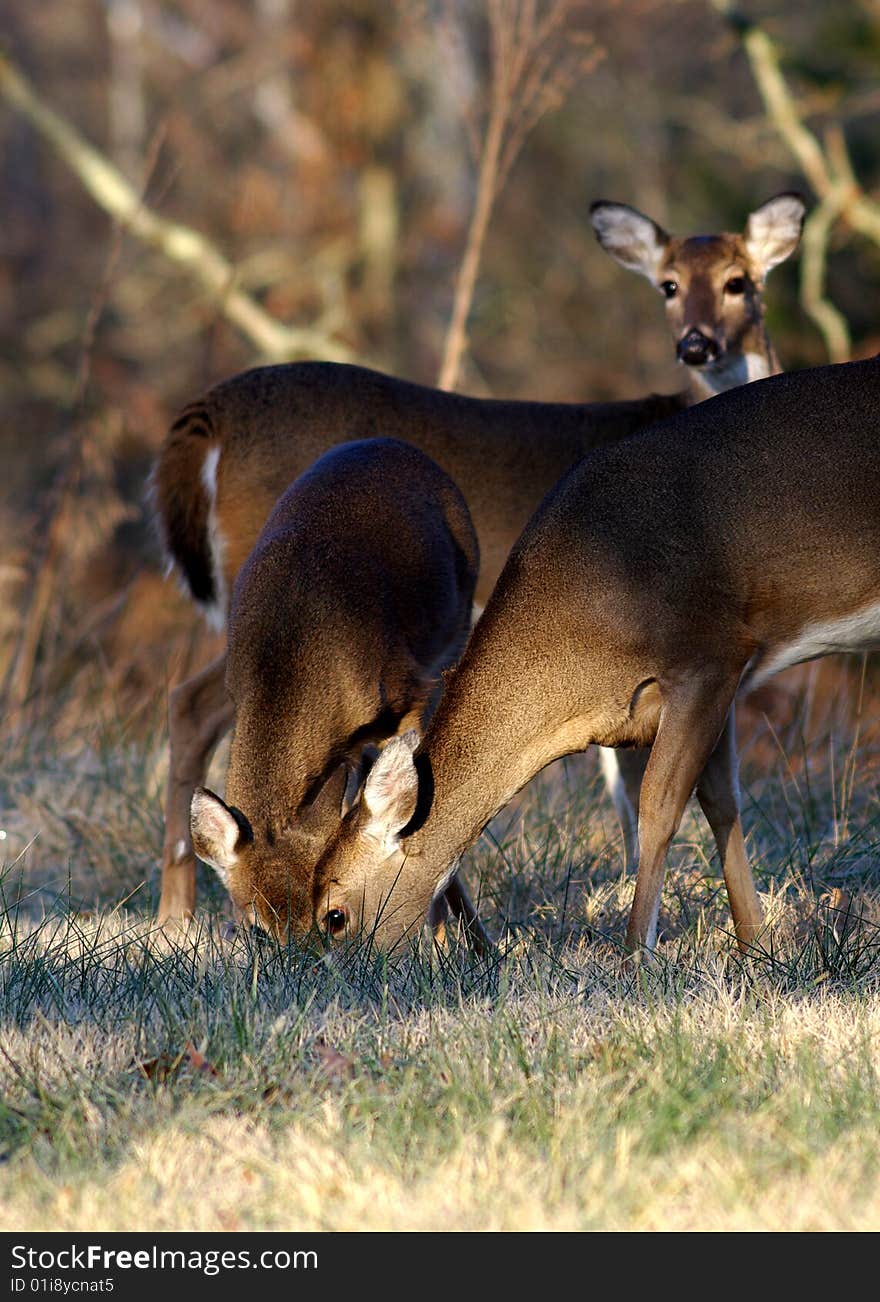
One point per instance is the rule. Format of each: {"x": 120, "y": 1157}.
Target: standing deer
{"x": 720, "y": 350}
{"x": 659, "y": 578}
{"x": 339, "y": 629}
{"x": 230, "y": 455}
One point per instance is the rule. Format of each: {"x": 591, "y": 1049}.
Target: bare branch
{"x": 467, "y": 272}
{"x": 814, "y": 244}
{"x": 778, "y": 102}
{"x": 534, "y": 63}
{"x": 180, "y": 244}
{"x": 828, "y": 169}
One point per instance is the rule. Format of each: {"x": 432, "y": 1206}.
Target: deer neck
{"x": 473, "y": 761}
{"x": 461, "y": 800}
{"x": 274, "y": 767}
{"x": 753, "y": 358}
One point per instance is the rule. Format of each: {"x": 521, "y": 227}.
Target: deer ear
{"x": 219, "y": 833}
{"x": 326, "y": 810}
{"x": 357, "y": 774}
{"x": 773, "y": 231}
{"x": 392, "y": 788}
{"x": 632, "y": 239}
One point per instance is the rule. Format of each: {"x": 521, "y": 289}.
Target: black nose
{"x": 696, "y": 349}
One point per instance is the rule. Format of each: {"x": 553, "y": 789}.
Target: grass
{"x": 214, "y": 1083}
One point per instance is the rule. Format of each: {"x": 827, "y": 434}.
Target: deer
{"x": 232, "y": 453}
{"x": 664, "y": 576}
{"x": 336, "y": 641}
{"x": 720, "y": 352}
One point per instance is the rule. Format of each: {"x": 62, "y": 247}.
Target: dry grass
{"x": 218, "y": 1084}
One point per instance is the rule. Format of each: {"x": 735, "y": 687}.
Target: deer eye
{"x": 736, "y": 285}
{"x": 669, "y": 288}
{"x": 335, "y": 921}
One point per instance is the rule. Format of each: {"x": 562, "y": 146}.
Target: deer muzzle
{"x": 697, "y": 349}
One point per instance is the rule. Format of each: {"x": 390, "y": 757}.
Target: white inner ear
{"x": 773, "y": 231}
{"x": 392, "y": 787}
{"x": 222, "y": 873}
{"x": 214, "y": 831}
{"x": 632, "y": 239}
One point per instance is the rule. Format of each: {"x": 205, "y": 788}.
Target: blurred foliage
{"x": 324, "y": 147}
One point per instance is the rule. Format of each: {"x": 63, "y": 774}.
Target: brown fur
{"x": 336, "y": 638}
{"x": 713, "y": 285}
{"x": 270, "y": 424}
{"x": 274, "y": 422}
{"x": 181, "y": 500}
{"x": 759, "y": 518}
{"x": 701, "y": 267}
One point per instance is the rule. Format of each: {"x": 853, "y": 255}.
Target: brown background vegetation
{"x": 330, "y": 151}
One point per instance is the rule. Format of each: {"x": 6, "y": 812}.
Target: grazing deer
{"x": 659, "y": 578}
{"x": 230, "y": 455}
{"x": 356, "y": 596}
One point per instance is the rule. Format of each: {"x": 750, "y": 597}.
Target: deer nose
{"x": 696, "y": 349}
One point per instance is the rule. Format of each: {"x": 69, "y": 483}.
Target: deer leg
{"x": 462, "y": 908}
{"x": 199, "y": 713}
{"x": 718, "y": 794}
{"x": 690, "y": 724}
{"x": 839, "y": 900}
{"x": 456, "y": 900}
{"x": 624, "y": 770}
{"x": 438, "y": 915}
{"x": 841, "y": 906}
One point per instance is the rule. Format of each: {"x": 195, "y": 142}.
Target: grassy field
{"x": 218, "y": 1083}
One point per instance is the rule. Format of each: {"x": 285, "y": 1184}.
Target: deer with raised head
{"x": 231, "y": 454}
{"x": 661, "y": 577}
{"x": 721, "y": 349}
{"x": 713, "y": 286}
{"x": 356, "y": 596}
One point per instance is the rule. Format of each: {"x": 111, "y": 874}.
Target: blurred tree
{"x": 326, "y": 156}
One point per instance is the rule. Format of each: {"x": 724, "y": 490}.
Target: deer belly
{"x": 857, "y": 631}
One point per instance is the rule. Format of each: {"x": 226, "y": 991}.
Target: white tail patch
{"x": 215, "y": 611}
